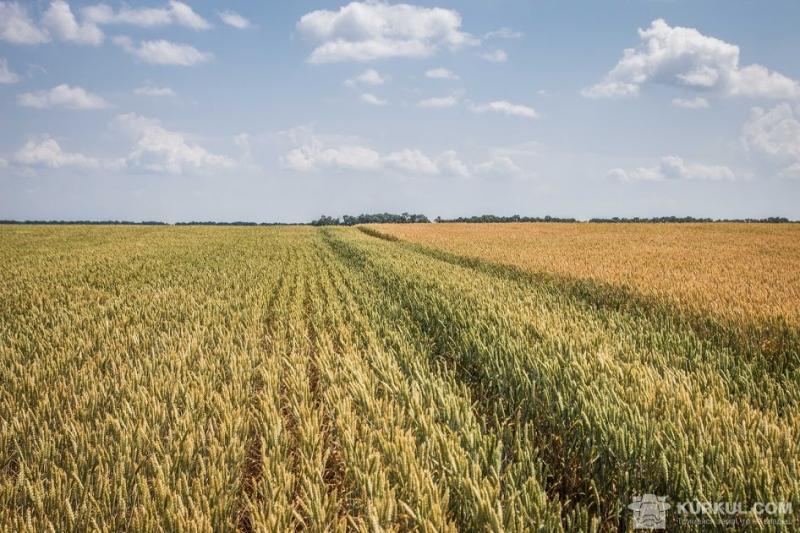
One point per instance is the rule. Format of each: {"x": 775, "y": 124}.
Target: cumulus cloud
{"x": 311, "y": 152}
{"x": 7, "y": 76}
{"x": 495, "y": 56}
{"x": 371, "y": 99}
{"x": 163, "y": 52}
{"x": 158, "y": 149}
{"x": 365, "y": 31}
{"x": 57, "y": 22}
{"x": 686, "y": 58}
{"x": 317, "y": 153}
{"x": 177, "y": 13}
{"x": 46, "y": 152}
{"x": 183, "y": 15}
{"x": 62, "y": 96}
{"x": 774, "y": 135}
{"x": 440, "y": 74}
{"x": 439, "y": 102}
{"x": 149, "y": 90}
{"x": 234, "y": 19}
{"x": 507, "y": 108}
{"x": 673, "y": 168}
{"x": 17, "y": 27}
{"x": 698, "y": 102}
{"x": 315, "y": 156}
{"x": 60, "y": 22}
{"x": 368, "y": 77}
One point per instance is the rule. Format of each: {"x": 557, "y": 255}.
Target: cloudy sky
{"x": 282, "y": 111}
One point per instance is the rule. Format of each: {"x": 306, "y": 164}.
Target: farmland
{"x": 737, "y": 270}
{"x": 425, "y": 377}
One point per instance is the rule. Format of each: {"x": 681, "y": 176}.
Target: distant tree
{"x": 377, "y": 218}
{"x": 326, "y": 221}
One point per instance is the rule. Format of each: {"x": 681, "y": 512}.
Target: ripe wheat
{"x": 266, "y": 379}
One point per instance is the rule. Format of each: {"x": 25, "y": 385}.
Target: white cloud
{"x": 440, "y": 74}
{"x": 698, "y": 102}
{"x": 316, "y": 153}
{"x": 59, "y": 21}
{"x": 500, "y": 166}
{"x": 365, "y": 31}
{"x": 449, "y": 163}
{"x": 17, "y": 27}
{"x": 7, "y": 76}
{"x": 412, "y": 161}
{"x": 62, "y": 96}
{"x": 439, "y": 102}
{"x": 160, "y": 150}
{"x": 774, "y": 135}
{"x": 175, "y": 12}
{"x": 371, "y": 99}
{"x": 3, "y": 163}
{"x": 315, "y": 156}
{"x": 183, "y": 15}
{"x": 368, "y": 77}
{"x": 503, "y": 33}
{"x": 148, "y": 90}
{"x": 163, "y": 52}
{"x": 673, "y": 168}
{"x": 496, "y": 56}
{"x": 234, "y": 19}
{"x": 684, "y": 57}
{"x": 502, "y": 106}
{"x": 48, "y": 153}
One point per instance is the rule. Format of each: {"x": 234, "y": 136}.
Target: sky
{"x": 283, "y": 111}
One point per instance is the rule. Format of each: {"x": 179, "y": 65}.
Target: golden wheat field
{"x": 396, "y": 378}
{"x": 736, "y": 269}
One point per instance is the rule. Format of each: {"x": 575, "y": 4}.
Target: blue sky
{"x": 282, "y": 111}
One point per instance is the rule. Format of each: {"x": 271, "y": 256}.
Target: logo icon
{"x": 649, "y": 511}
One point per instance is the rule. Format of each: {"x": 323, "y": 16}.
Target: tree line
{"x": 410, "y": 218}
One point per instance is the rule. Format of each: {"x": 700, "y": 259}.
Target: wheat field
{"x": 734, "y": 269}
{"x": 425, "y": 378}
